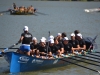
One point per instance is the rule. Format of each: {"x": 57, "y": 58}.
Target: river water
{"x": 53, "y": 16}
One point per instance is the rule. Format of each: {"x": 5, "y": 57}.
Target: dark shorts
{"x": 25, "y": 48}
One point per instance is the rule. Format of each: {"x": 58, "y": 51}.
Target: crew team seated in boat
{"x": 34, "y": 45}
{"x": 23, "y": 9}
{"x": 75, "y": 44}
{"x": 54, "y": 46}
{"x": 26, "y": 39}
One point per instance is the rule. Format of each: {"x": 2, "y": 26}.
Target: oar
{"x": 84, "y": 61}
{"x": 39, "y": 12}
{"x": 97, "y": 52}
{"x": 88, "y": 59}
{"x": 78, "y": 65}
{"x": 9, "y": 48}
{"x": 91, "y": 57}
{"x": 92, "y": 41}
{"x": 1, "y": 12}
{"x": 94, "y": 54}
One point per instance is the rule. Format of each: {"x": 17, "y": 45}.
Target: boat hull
{"x": 23, "y": 63}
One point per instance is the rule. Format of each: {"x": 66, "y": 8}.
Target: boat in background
{"x": 13, "y": 12}
{"x": 92, "y": 10}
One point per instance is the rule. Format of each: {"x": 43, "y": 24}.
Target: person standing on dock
{"x": 26, "y": 39}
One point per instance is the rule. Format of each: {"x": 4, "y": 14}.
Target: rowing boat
{"x": 23, "y": 63}
{"x": 92, "y": 10}
{"x": 13, "y": 12}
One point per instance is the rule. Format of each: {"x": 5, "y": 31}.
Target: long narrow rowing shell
{"x": 22, "y": 63}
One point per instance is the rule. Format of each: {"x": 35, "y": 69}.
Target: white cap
{"x": 51, "y": 41}
{"x": 80, "y": 35}
{"x": 25, "y": 28}
{"x": 34, "y": 38}
{"x": 59, "y": 34}
{"x": 42, "y": 40}
{"x": 72, "y": 34}
{"x": 65, "y": 38}
{"x": 51, "y": 37}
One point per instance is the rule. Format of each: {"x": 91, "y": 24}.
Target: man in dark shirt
{"x": 81, "y": 42}
{"x": 67, "y": 46}
{"x": 53, "y": 47}
{"x": 34, "y": 46}
{"x": 74, "y": 43}
{"x": 25, "y": 38}
{"x": 59, "y": 46}
{"x": 44, "y": 49}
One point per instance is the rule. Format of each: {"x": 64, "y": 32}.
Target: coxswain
{"x": 26, "y": 39}
{"x": 14, "y": 6}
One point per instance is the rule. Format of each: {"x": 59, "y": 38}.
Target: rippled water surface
{"x": 53, "y": 16}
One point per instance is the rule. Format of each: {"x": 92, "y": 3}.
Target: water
{"x": 55, "y": 16}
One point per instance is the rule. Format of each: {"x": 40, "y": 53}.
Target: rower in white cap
{"x": 82, "y": 43}
{"x": 26, "y": 39}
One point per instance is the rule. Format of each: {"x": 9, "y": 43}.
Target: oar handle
{"x": 9, "y": 48}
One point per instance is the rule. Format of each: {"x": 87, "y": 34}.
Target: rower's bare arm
{"x": 21, "y": 38}
{"x": 83, "y": 48}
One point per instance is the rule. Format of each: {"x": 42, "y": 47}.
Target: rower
{"x": 82, "y": 43}
{"x": 75, "y": 43}
{"x": 59, "y": 37}
{"x": 76, "y": 32}
{"x": 63, "y": 35}
{"x": 34, "y": 45}
{"x": 26, "y": 39}
{"x": 67, "y": 46}
{"x": 44, "y": 50}
{"x": 59, "y": 46}
{"x": 53, "y": 47}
